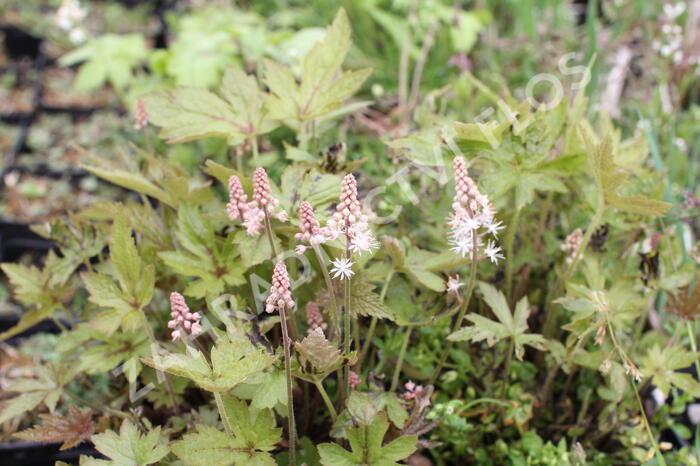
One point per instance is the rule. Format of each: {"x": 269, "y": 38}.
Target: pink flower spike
{"x": 314, "y": 317}
{"x": 261, "y": 191}
{"x": 182, "y": 319}
{"x": 140, "y": 115}
{"x": 472, "y": 217}
{"x": 349, "y": 219}
{"x": 238, "y": 200}
{"x": 354, "y": 380}
{"x": 280, "y": 295}
{"x": 308, "y": 224}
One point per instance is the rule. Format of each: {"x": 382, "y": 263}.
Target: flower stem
{"x": 222, "y": 413}
{"x": 327, "y": 400}
{"x": 268, "y": 229}
{"x": 290, "y": 397}
{"x": 659, "y": 456}
{"x": 399, "y": 363}
{"x": 373, "y": 323}
{"x": 346, "y": 337}
{"x": 331, "y": 292}
{"x": 550, "y": 308}
{"x": 510, "y": 254}
{"x": 460, "y": 315}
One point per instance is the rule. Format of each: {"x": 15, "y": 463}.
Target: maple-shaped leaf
{"x": 128, "y": 447}
{"x": 231, "y": 363}
{"x": 46, "y": 387}
{"x": 610, "y": 177}
{"x": 685, "y": 302}
{"x": 254, "y": 436}
{"x": 508, "y": 326}
{"x": 188, "y": 113}
{"x": 264, "y": 389}
{"x": 366, "y": 444}
{"x": 125, "y": 292}
{"x": 323, "y": 86}
{"x": 661, "y": 364}
{"x": 38, "y": 290}
{"x": 365, "y": 302}
{"x": 201, "y": 255}
{"x": 71, "y": 429}
{"x": 316, "y": 354}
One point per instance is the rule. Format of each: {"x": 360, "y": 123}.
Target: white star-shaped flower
{"x": 453, "y": 284}
{"x": 342, "y": 268}
{"x": 363, "y": 242}
{"x": 493, "y": 227}
{"x": 493, "y": 252}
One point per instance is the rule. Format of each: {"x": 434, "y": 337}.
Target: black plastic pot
{"x": 40, "y": 454}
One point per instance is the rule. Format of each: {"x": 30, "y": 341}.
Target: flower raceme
{"x": 280, "y": 295}
{"x": 350, "y": 221}
{"x": 262, "y": 195}
{"x": 314, "y": 317}
{"x": 310, "y": 230}
{"x": 472, "y": 218}
{"x": 252, "y": 214}
{"x": 182, "y": 318}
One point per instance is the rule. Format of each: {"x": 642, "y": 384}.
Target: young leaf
{"x": 507, "y": 326}
{"x": 108, "y": 58}
{"x": 47, "y": 388}
{"x": 202, "y": 255}
{"x": 71, "y": 429}
{"x": 133, "y": 289}
{"x": 36, "y": 289}
{"x": 264, "y": 389}
{"x": 323, "y": 87}
{"x": 366, "y": 445}
{"x": 254, "y": 435}
{"x": 610, "y": 177}
{"x": 232, "y": 363}
{"x": 365, "y": 302}
{"x": 189, "y": 113}
{"x": 317, "y": 354}
{"x": 129, "y": 446}
{"x": 660, "y": 364}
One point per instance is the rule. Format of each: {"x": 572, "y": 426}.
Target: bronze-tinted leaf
{"x": 71, "y": 429}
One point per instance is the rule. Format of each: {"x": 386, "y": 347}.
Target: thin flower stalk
{"x": 399, "y": 362}
{"x": 280, "y": 299}
{"x": 352, "y": 223}
{"x": 331, "y": 292}
{"x": 472, "y": 220}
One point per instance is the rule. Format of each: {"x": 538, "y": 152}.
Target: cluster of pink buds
{"x": 413, "y": 392}
{"x": 350, "y": 221}
{"x": 571, "y": 245}
{"x": 140, "y": 115}
{"x": 252, "y": 214}
{"x": 310, "y": 230}
{"x": 472, "y": 217}
{"x": 280, "y": 296}
{"x": 354, "y": 380}
{"x": 182, "y": 318}
{"x": 314, "y": 317}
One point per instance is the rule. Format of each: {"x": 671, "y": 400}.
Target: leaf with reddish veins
{"x": 71, "y": 430}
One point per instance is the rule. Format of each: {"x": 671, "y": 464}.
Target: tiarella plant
{"x": 325, "y": 310}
